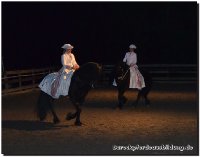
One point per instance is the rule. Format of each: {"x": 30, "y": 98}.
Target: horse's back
{"x": 147, "y": 77}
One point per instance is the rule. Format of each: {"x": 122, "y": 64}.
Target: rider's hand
{"x": 76, "y": 66}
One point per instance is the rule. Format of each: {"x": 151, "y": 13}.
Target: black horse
{"x": 121, "y": 75}
{"x": 81, "y": 82}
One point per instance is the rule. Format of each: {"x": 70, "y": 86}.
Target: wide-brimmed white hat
{"x": 132, "y": 46}
{"x": 67, "y": 46}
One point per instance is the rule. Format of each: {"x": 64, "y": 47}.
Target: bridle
{"x": 122, "y": 77}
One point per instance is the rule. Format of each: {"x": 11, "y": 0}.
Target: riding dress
{"x": 57, "y": 83}
{"x": 136, "y": 78}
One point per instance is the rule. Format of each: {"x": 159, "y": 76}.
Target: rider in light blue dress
{"x": 57, "y": 83}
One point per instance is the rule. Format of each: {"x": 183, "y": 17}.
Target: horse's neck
{"x": 126, "y": 67}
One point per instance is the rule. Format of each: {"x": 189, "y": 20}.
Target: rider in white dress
{"x": 136, "y": 78}
{"x": 57, "y": 83}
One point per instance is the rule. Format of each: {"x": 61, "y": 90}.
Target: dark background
{"x": 33, "y": 32}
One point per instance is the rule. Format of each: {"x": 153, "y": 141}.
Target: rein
{"x": 122, "y": 77}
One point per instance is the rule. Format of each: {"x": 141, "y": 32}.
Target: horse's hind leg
{"x": 147, "y": 101}
{"x": 42, "y": 106}
{"x": 139, "y": 95}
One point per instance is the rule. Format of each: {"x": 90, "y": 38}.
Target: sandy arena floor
{"x": 172, "y": 119}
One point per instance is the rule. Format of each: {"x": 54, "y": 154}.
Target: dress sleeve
{"x": 74, "y": 60}
{"x": 125, "y": 58}
{"x": 135, "y": 61}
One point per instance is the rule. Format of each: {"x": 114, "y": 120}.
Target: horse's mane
{"x": 89, "y": 65}
{"x": 88, "y": 71}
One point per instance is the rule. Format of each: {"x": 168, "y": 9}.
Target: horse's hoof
{"x": 69, "y": 116}
{"x": 147, "y": 105}
{"x": 78, "y": 123}
{"x": 42, "y": 119}
{"x": 56, "y": 121}
{"x": 119, "y": 108}
{"x": 134, "y": 105}
{"x": 42, "y": 116}
{"x": 125, "y": 100}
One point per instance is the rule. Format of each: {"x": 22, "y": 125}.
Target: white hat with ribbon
{"x": 67, "y": 46}
{"x": 132, "y": 46}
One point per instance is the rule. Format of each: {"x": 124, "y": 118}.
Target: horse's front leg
{"x": 78, "y": 114}
{"x": 55, "y": 117}
{"x": 70, "y": 116}
{"x": 75, "y": 114}
{"x": 147, "y": 101}
{"x": 121, "y": 98}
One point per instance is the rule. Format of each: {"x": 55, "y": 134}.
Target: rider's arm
{"x": 74, "y": 63}
{"x": 125, "y": 58}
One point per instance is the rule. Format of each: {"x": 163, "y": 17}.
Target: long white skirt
{"x": 56, "y": 84}
{"x": 136, "y": 79}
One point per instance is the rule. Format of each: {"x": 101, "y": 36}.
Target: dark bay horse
{"x": 81, "y": 82}
{"x": 121, "y": 75}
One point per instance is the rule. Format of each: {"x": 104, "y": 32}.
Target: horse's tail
{"x": 42, "y": 105}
